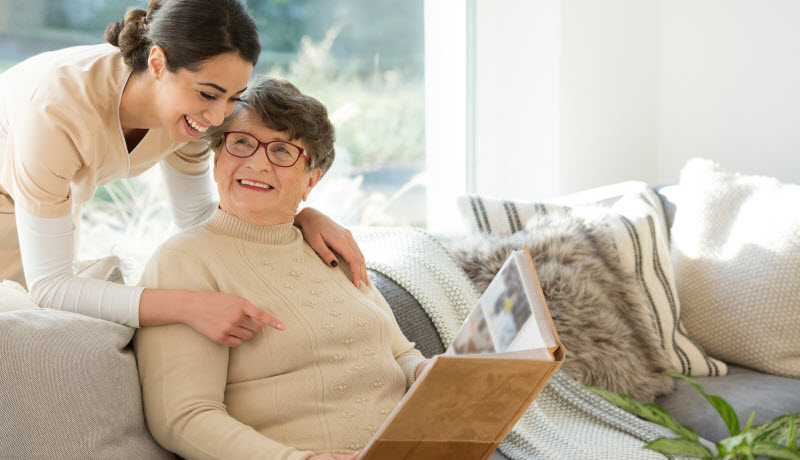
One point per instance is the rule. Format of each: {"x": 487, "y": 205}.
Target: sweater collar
{"x": 226, "y": 224}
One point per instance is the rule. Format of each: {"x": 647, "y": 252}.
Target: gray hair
{"x": 282, "y": 107}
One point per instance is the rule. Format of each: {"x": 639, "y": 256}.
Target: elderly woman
{"x": 320, "y": 388}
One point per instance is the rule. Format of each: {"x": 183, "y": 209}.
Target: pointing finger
{"x": 260, "y": 315}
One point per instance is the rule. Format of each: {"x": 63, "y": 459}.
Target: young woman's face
{"x": 191, "y": 101}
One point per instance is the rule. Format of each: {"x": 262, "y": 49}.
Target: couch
{"x": 69, "y": 389}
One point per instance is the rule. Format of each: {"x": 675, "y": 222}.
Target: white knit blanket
{"x": 564, "y": 422}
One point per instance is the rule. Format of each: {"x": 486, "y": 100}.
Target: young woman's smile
{"x": 193, "y": 127}
{"x": 197, "y": 100}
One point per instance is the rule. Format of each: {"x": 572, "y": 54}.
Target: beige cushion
{"x": 14, "y": 297}
{"x": 96, "y": 268}
{"x": 632, "y": 214}
{"x": 69, "y": 386}
{"x": 736, "y": 251}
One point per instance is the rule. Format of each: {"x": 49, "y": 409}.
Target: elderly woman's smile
{"x": 255, "y": 185}
{"x": 262, "y": 175}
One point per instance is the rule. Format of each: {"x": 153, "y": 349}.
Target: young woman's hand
{"x": 224, "y": 318}
{"x": 330, "y": 456}
{"x": 228, "y": 319}
{"x": 323, "y": 234}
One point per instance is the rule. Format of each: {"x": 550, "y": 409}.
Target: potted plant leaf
{"x": 776, "y": 439}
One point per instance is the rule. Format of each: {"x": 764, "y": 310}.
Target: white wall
{"x": 648, "y": 84}
{"x": 609, "y": 92}
{"x": 516, "y": 72}
{"x": 730, "y": 86}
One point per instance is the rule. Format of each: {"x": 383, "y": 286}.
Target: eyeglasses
{"x": 279, "y": 153}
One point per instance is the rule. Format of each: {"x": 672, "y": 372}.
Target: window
{"x": 364, "y": 59}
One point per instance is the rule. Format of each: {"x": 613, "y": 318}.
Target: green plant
{"x": 776, "y": 439}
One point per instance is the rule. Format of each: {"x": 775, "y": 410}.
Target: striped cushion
{"x": 497, "y": 217}
{"x": 635, "y": 222}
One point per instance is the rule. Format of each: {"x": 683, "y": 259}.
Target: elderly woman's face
{"x": 280, "y": 189}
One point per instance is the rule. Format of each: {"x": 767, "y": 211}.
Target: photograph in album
{"x": 506, "y": 306}
{"x": 510, "y": 316}
{"x": 474, "y": 336}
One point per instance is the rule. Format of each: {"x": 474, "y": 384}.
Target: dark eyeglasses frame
{"x": 265, "y": 145}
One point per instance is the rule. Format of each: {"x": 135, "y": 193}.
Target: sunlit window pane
{"x": 363, "y": 59}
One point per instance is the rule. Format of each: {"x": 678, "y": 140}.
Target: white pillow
{"x": 633, "y": 216}
{"x": 736, "y": 252}
{"x": 14, "y": 297}
{"x": 97, "y": 268}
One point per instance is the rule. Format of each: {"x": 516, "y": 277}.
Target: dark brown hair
{"x": 282, "y": 107}
{"x": 189, "y": 31}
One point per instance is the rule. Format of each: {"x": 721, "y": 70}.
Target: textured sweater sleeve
{"x": 184, "y": 375}
{"x": 404, "y": 352}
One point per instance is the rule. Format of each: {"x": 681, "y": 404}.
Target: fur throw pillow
{"x": 600, "y": 313}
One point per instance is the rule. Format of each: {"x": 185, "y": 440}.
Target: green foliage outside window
{"x": 362, "y": 58}
{"x": 379, "y": 117}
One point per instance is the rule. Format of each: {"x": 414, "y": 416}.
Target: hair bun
{"x": 112, "y": 32}
{"x": 213, "y": 27}
{"x": 152, "y": 7}
{"x": 129, "y": 35}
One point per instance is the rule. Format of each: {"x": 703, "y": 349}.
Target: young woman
{"x": 78, "y": 118}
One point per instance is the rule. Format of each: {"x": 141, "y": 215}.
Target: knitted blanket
{"x": 564, "y": 422}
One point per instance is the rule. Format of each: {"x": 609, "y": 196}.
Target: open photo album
{"x": 510, "y": 316}
{"x": 469, "y": 398}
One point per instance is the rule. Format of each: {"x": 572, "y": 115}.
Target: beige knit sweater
{"x": 326, "y": 383}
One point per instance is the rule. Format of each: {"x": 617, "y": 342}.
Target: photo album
{"x": 509, "y": 317}
{"x": 469, "y": 398}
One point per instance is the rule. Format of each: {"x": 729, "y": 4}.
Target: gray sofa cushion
{"x": 412, "y": 319}
{"x": 745, "y": 389}
{"x": 69, "y": 389}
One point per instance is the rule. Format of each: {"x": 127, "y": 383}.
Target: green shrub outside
{"x": 379, "y": 115}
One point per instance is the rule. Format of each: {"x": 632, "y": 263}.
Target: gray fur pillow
{"x": 601, "y": 314}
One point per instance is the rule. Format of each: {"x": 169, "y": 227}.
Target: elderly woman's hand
{"x": 330, "y": 456}
{"x": 323, "y": 234}
{"x": 421, "y": 368}
{"x": 227, "y": 319}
